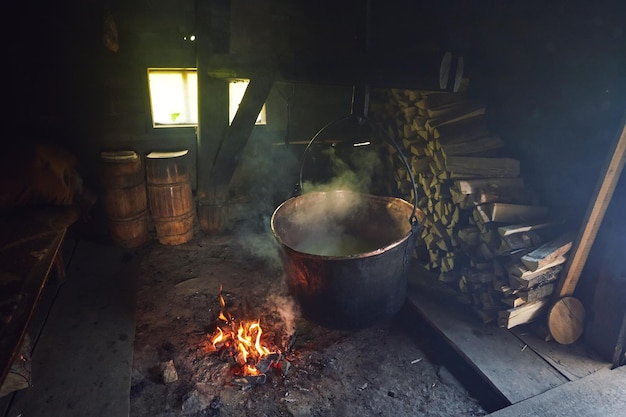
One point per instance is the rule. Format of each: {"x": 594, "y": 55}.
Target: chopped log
{"x": 468, "y": 129}
{"x": 535, "y": 278}
{"x": 517, "y": 213}
{"x": 470, "y": 166}
{"x": 548, "y": 252}
{"x": 489, "y": 185}
{"x": 476, "y": 146}
{"x": 420, "y": 164}
{"x": 437, "y": 99}
{"x": 540, "y": 291}
{"x": 513, "y": 301}
{"x": 482, "y": 214}
{"x": 512, "y": 229}
{"x": 511, "y": 243}
{"x": 469, "y": 235}
{"x": 482, "y": 277}
{"x": 523, "y": 314}
{"x": 453, "y": 113}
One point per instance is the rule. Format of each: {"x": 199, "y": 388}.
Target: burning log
{"x": 242, "y": 341}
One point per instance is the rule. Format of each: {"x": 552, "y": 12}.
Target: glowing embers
{"x": 243, "y": 341}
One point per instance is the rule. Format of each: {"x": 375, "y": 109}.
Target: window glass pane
{"x": 236, "y": 90}
{"x": 173, "y": 97}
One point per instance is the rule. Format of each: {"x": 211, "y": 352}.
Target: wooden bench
{"x": 30, "y": 243}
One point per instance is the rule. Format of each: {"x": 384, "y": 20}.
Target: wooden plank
{"x": 594, "y": 217}
{"x": 574, "y": 361}
{"x": 84, "y": 355}
{"x": 240, "y": 129}
{"x": 495, "y": 353}
{"x": 600, "y": 394}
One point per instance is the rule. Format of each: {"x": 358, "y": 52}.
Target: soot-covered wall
{"x": 551, "y": 73}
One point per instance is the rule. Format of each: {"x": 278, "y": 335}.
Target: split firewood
{"x": 548, "y": 252}
{"x": 465, "y": 130}
{"x": 513, "y": 301}
{"x": 439, "y": 98}
{"x": 471, "y": 166}
{"x": 539, "y": 291}
{"x": 521, "y": 228}
{"x": 477, "y": 146}
{"x": 513, "y": 185}
{"x": 517, "y": 213}
{"x": 514, "y": 242}
{"x": 532, "y": 278}
{"x": 523, "y": 314}
{"x": 453, "y": 113}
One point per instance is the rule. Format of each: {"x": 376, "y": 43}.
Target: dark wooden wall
{"x": 552, "y": 73}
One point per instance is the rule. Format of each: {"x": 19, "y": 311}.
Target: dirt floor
{"x": 378, "y": 371}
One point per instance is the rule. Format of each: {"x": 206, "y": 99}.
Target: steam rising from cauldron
{"x": 333, "y": 212}
{"x": 357, "y": 174}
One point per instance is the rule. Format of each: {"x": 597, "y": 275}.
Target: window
{"x": 236, "y": 90}
{"x": 174, "y": 97}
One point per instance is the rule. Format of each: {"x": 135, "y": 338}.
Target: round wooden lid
{"x": 163, "y": 155}
{"x": 118, "y": 155}
{"x": 566, "y": 320}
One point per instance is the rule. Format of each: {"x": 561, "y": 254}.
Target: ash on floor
{"x": 378, "y": 371}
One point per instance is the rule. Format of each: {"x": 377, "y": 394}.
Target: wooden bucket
{"x": 169, "y": 196}
{"x": 124, "y": 197}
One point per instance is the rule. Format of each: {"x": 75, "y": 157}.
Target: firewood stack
{"x": 482, "y": 221}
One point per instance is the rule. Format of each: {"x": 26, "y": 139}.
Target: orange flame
{"x": 244, "y": 344}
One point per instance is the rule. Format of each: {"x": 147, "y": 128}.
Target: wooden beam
{"x": 593, "y": 218}
{"x": 240, "y": 129}
{"x": 212, "y": 92}
{"x": 377, "y": 72}
{"x": 212, "y": 126}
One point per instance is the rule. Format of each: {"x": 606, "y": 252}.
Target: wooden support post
{"x": 213, "y": 38}
{"x": 218, "y": 158}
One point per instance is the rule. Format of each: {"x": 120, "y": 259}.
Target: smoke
{"x": 267, "y": 177}
{"x": 287, "y": 309}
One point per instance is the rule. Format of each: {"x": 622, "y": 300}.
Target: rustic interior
{"x": 124, "y": 219}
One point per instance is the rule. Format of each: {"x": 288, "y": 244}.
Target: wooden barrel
{"x": 169, "y": 196}
{"x": 124, "y": 197}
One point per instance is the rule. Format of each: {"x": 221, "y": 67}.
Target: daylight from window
{"x": 173, "y": 97}
{"x": 236, "y": 90}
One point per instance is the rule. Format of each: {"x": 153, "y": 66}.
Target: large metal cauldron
{"x": 346, "y": 255}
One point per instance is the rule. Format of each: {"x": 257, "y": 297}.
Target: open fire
{"x": 244, "y": 342}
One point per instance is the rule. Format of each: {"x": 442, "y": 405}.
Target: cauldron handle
{"x": 415, "y": 226}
